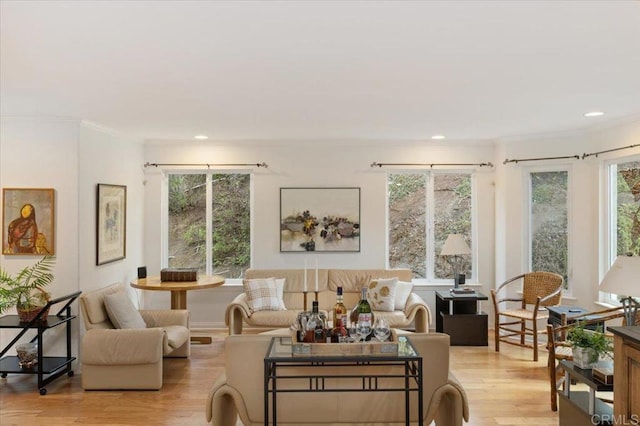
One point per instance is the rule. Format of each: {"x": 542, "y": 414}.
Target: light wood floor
{"x": 505, "y": 388}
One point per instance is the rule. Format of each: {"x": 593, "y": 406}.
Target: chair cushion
{"x": 264, "y": 294}
{"x": 177, "y": 335}
{"x": 381, "y": 294}
{"x": 121, "y": 311}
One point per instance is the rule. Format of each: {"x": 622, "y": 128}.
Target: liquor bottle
{"x": 362, "y": 311}
{"x": 314, "y": 330}
{"x": 339, "y": 318}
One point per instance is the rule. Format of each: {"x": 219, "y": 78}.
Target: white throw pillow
{"x": 262, "y": 294}
{"x": 403, "y": 291}
{"x": 121, "y": 311}
{"x": 381, "y": 294}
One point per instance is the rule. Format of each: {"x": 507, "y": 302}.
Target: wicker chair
{"x": 539, "y": 289}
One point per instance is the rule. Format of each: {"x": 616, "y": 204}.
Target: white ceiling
{"x": 471, "y": 70}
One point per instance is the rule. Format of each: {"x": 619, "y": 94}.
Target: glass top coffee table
{"x": 346, "y": 370}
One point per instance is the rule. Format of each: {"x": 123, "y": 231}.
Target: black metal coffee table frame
{"x": 274, "y": 362}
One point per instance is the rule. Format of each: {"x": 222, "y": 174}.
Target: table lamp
{"x": 623, "y": 278}
{"x": 455, "y": 245}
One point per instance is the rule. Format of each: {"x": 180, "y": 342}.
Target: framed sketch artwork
{"x": 28, "y": 221}
{"x": 320, "y": 219}
{"x": 111, "y": 229}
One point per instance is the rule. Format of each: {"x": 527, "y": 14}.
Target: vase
{"x": 27, "y": 354}
{"x": 585, "y": 358}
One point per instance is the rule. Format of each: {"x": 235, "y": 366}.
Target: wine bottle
{"x": 362, "y": 311}
{"x": 339, "y": 317}
{"x": 314, "y": 329}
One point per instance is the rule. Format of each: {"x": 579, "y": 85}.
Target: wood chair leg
{"x": 535, "y": 340}
{"x": 496, "y": 332}
{"x": 523, "y": 330}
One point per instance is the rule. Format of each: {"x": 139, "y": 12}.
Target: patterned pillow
{"x": 262, "y": 294}
{"x": 381, "y": 294}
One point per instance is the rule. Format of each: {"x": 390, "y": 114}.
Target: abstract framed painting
{"x": 320, "y": 219}
{"x": 111, "y": 223}
{"x": 28, "y": 221}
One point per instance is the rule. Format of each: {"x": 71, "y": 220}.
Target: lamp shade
{"x": 623, "y": 277}
{"x": 455, "y": 245}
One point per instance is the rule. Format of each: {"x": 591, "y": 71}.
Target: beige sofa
{"x": 128, "y": 358}
{"x": 239, "y": 391}
{"x": 238, "y": 312}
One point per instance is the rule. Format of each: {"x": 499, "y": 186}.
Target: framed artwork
{"x": 111, "y": 223}
{"x": 28, "y": 221}
{"x": 320, "y": 219}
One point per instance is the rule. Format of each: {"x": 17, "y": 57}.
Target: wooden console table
{"x": 179, "y": 290}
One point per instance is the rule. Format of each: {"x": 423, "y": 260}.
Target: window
{"x": 548, "y": 222}
{"x": 623, "y": 183}
{"x": 209, "y": 222}
{"x": 423, "y": 209}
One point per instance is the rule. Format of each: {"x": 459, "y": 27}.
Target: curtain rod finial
{"x": 374, "y": 164}
{"x": 506, "y": 160}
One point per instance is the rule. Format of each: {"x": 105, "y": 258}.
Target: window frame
{"x": 209, "y": 172}
{"x": 430, "y": 226}
{"x": 527, "y": 251}
{"x": 609, "y": 235}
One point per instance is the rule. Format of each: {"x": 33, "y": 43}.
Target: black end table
{"x": 461, "y": 317}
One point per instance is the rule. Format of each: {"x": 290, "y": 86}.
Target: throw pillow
{"x": 403, "y": 291}
{"x": 381, "y": 294}
{"x": 262, "y": 294}
{"x": 121, "y": 311}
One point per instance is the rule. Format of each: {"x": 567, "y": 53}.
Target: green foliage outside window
{"x": 230, "y": 222}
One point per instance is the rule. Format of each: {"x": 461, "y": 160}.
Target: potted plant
{"x": 588, "y": 346}
{"x": 26, "y": 290}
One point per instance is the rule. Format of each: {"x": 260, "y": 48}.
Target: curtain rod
{"x": 147, "y": 164}
{"x": 374, "y": 164}
{"x": 539, "y": 159}
{"x": 609, "y": 150}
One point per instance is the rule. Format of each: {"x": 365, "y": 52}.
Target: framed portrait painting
{"x": 320, "y": 219}
{"x": 111, "y": 228}
{"x": 28, "y": 221}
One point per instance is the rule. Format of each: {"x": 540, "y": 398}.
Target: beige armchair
{"x": 115, "y": 358}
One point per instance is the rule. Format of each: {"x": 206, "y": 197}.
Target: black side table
{"x": 461, "y": 317}
{"x": 556, "y": 313}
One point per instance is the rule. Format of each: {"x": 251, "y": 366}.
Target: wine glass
{"x": 381, "y": 329}
{"x": 363, "y": 329}
{"x": 354, "y": 337}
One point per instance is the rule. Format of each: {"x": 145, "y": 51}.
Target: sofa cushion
{"x": 262, "y": 294}
{"x": 177, "y": 335}
{"x": 121, "y": 311}
{"x": 403, "y": 290}
{"x": 381, "y": 294}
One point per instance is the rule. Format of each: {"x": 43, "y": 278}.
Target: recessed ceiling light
{"x": 201, "y": 137}
{"x": 437, "y": 137}
{"x": 594, "y": 114}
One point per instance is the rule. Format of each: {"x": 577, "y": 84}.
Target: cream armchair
{"x": 114, "y": 358}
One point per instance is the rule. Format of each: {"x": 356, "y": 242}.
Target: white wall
{"x": 44, "y": 154}
{"x": 308, "y": 164}
{"x": 586, "y": 204}
{"x": 108, "y": 157}
{"x": 72, "y": 157}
